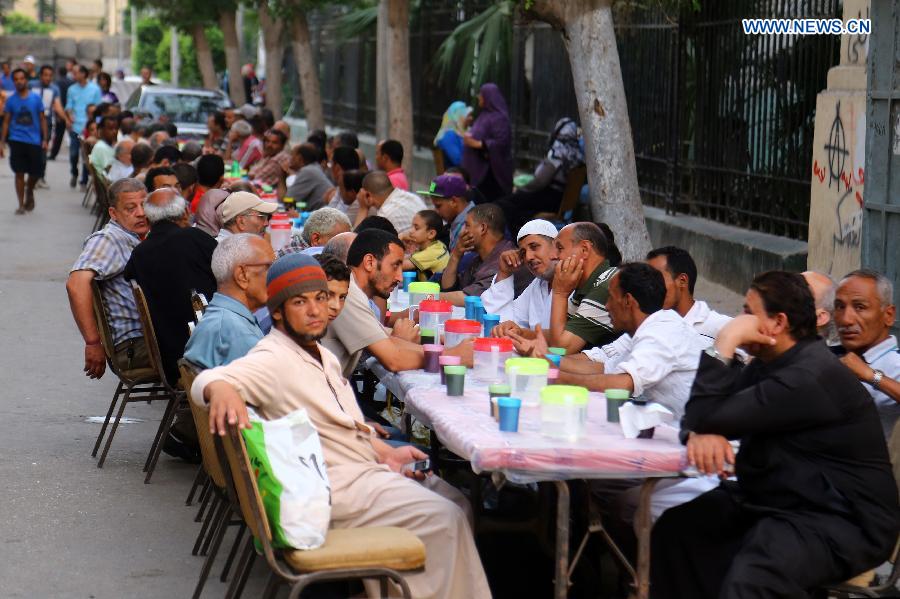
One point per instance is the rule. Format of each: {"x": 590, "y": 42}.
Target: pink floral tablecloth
{"x": 465, "y": 427}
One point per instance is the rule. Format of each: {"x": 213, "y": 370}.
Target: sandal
{"x": 20, "y": 211}
{"x": 29, "y": 202}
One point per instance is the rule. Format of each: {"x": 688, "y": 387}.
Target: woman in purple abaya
{"x": 487, "y": 147}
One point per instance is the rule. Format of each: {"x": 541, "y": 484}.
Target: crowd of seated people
{"x": 785, "y": 410}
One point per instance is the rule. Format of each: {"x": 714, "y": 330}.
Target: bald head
{"x": 123, "y": 150}
{"x": 165, "y": 204}
{"x": 283, "y": 127}
{"x": 823, "y": 289}
{"x": 339, "y": 245}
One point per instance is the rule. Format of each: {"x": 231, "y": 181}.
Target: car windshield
{"x": 182, "y": 108}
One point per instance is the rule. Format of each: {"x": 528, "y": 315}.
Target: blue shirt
{"x": 25, "y": 118}
{"x": 6, "y": 82}
{"x": 226, "y": 332}
{"x": 452, "y": 146}
{"x": 77, "y": 100}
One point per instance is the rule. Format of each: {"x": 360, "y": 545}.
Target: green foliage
{"x": 189, "y": 73}
{"x": 479, "y": 49}
{"x": 149, "y": 35}
{"x": 16, "y": 23}
{"x": 356, "y": 23}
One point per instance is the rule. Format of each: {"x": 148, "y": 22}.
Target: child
{"x": 429, "y": 234}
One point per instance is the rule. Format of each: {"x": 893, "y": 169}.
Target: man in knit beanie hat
{"x": 288, "y": 370}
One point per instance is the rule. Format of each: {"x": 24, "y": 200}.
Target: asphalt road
{"x": 69, "y": 529}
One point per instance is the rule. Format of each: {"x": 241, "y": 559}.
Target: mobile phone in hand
{"x": 419, "y": 466}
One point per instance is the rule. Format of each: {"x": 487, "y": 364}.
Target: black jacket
{"x": 168, "y": 265}
{"x": 811, "y": 438}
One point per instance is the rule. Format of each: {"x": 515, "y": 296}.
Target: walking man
{"x": 25, "y": 126}
{"x": 80, "y": 95}
{"x": 53, "y": 110}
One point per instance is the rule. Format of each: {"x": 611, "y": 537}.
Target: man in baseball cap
{"x": 449, "y": 193}
{"x": 537, "y": 252}
{"x": 28, "y": 64}
{"x": 244, "y": 212}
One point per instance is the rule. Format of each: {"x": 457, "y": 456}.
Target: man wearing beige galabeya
{"x": 288, "y": 370}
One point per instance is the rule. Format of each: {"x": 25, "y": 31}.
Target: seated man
{"x": 343, "y": 196}
{"x": 244, "y": 212}
{"x": 367, "y": 488}
{"x": 483, "y": 234}
{"x": 449, "y": 194}
{"x": 339, "y": 245}
{"x": 275, "y": 164}
{"x": 102, "y": 154}
{"x": 532, "y": 307}
{"x": 159, "y": 177}
{"x": 173, "y": 260}
{"x": 310, "y": 183}
{"x": 823, "y": 288}
{"x": 338, "y": 276}
{"x": 121, "y": 167}
{"x": 105, "y": 254}
{"x": 389, "y": 158}
{"x": 378, "y": 195}
{"x": 662, "y": 360}
{"x": 864, "y": 313}
{"x": 375, "y": 259}
{"x": 228, "y": 329}
{"x": 814, "y": 501}
{"x": 210, "y": 175}
{"x": 321, "y": 226}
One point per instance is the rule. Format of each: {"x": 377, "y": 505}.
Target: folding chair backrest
{"x": 149, "y": 332}
{"x": 106, "y": 338}
{"x": 894, "y": 451}
{"x": 574, "y": 182}
{"x": 439, "y": 166}
{"x": 201, "y": 421}
{"x": 198, "y": 303}
{"x": 245, "y": 486}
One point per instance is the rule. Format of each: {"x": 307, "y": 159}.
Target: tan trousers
{"x": 433, "y": 510}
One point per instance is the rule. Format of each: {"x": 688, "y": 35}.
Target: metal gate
{"x": 881, "y": 211}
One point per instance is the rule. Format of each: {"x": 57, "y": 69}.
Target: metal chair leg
{"x": 222, "y": 513}
{"x": 243, "y": 564}
{"x": 163, "y": 432}
{"x": 112, "y": 406}
{"x": 204, "y": 500}
{"x": 223, "y": 577}
{"x": 198, "y": 482}
{"x": 272, "y": 586}
{"x": 218, "y": 535}
{"x": 112, "y": 431}
{"x": 206, "y": 521}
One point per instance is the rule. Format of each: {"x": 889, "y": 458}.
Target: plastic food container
{"x": 279, "y": 230}
{"x": 527, "y": 376}
{"x": 563, "y": 411}
{"x": 457, "y": 331}
{"x": 422, "y": 290}
{"x": 489, "y": 357}
{"x": 433, "y": 314}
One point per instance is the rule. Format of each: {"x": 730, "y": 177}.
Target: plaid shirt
{"x": 295, "y": 246}
{"x": 106, "y": 252}
{"x": 400, "y": 207}
{"x": 271, "y": 169}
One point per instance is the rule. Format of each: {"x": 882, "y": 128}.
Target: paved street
{"x": 68, "y": 528}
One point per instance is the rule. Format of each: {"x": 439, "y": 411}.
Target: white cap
{"x": 30, "y": 59}
{"x": 537, "y": 226}
{"x": 249, "y": 111}
{"x": 241, "y": 201}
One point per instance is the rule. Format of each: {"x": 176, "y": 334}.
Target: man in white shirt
{"x": 532, "y": 307}
{"x": 379, "y": 196}
{"x": 864, "y": 312}
{"x": 662, "y": 361}
{"x": 121, "y": 164}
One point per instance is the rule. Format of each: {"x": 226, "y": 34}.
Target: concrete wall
{"x": 838, "y": 169}
{"x": 55, "y": 51}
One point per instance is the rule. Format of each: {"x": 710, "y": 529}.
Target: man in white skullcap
{"x": 532, "y": 308}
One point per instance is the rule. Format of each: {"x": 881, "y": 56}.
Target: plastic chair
{"x": 139, "y": 384}
{"x": 354, "y": 553}
{"x": 175, "y": 395}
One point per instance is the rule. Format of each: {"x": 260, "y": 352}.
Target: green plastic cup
{"x": 614, "y": 400}
{"x": 456, "y": 380}
{"x": 559, "y": 351}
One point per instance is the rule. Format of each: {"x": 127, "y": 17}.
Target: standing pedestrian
{"x": 25, "y": 127}
{"x": 80, "y": 95}
{"x": 62, "y": 83}
{"x": 44, "y": 87}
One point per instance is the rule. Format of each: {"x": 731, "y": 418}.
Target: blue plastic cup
{"x": 554, "y": 359}
{"x": 479, "y": 311}
{"x": 408, "y": 277}
{"x": 509, "y": 413}
{"x": 489, "y": 322}
{"x": 472, "y": 302}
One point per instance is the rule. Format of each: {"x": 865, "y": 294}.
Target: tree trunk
{"x": 204, "y": 57}
{"x": 400, "y": 124}
{"x": 232, "y": 57}
{"x": 271, "y": 31}
{"x": 307, "y": 69}
{"x": 587, "y": 29}
{"x": 382, "y": 104}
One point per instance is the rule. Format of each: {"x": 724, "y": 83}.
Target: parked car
{"x": 188, "y": 108}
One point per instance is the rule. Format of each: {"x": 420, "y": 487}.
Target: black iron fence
{"x": 722, "y": 122}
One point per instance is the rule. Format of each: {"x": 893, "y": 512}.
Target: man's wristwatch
{"x": 877, "y": 375}
{"x": 712, "y": 352}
